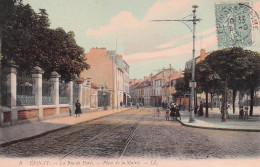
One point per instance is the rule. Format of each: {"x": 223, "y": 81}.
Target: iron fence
{"x": 47, "y": 88}
{"x": 25, "y": 94}
{"x": 63, "y": 95}
{"x": 3, "y": 90}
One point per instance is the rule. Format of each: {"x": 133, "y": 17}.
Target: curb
{"x": 225, "y": 129}
{"x": 53, "y": 130}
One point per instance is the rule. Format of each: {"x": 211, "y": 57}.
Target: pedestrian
{"x": 177, "y": 112}
{"x": 241, "y": 112}
{"x": 246, "y": 113}
{"x": 162, "y": 105}
{"x": 200, "y": 109}
{"x": 167, "y": 111}
{"x": 196, "y": 110}
{"x": 158, "y": 112}
{"x": 78, "y": 109}
{"x": 183, "y": 106}
{"x": 172, "y": 109}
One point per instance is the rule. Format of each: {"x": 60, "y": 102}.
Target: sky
{"x": 126, "y": 26}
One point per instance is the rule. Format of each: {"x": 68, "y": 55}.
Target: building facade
{"x": 110, "y": 72}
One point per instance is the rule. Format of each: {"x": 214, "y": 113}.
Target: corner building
{"x": 107, "y": 70}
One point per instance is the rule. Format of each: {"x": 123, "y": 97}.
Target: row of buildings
{"x": 154, "y": 89}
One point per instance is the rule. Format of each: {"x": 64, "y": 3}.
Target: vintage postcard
{"x": 129, "y": 83}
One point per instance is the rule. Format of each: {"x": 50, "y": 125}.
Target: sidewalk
{"x": 26, "y": 131}
{"x": 231, "y": 124}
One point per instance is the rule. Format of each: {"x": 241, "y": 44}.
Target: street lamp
{"x": 194, "y": 20}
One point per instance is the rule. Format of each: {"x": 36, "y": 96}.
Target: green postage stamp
{"x": 234, "y": 26}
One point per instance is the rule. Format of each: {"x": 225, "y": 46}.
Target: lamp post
{"x": 194, "y": 20}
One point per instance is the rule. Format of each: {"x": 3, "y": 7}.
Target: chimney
{"x": 202, "y": 54}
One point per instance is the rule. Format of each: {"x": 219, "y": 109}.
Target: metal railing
{"x": 25, "y": 94}
{"x": 47, "y": 88}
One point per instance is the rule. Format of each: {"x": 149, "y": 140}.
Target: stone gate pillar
{"x": 80, "y": 89}
{"x": 11, "y": 92}
{"x": 70, "y": 96}
{"x": 55, "y": 93}
{"x": 37, "y": 88}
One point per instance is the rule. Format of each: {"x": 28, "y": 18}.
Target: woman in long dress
{"x": 78, "y": 109}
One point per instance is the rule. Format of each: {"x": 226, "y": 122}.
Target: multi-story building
{"x": 134, "y": 92}
{"x": 126, "y": 99}
{"x": 121, "y": 81}
{"x": 147, "y": 92}
{"x": 168, "y": 87}
{"x": 140, "y": 90}
{"x": 158, "y": 81}
{"x": 107, "y": 71}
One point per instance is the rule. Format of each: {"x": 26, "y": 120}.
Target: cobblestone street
{"x": 138, "y": 133}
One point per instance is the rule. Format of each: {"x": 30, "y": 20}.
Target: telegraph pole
{"x": 116, "y": 77}
{"x": 170, "y": 83}
{"x": 194, "y": 20}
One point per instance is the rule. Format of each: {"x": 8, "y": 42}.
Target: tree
{"x": 238, "y": 69}
{"x": 180, "y": 87}
{"x": 28, "y": 41}
{"x": 203, "y": 72}
{"x": 253, "y": 77}
{"x": 6, "y": 8}
{"x": 208, "y": 81}
{"x": 218, "y": 62}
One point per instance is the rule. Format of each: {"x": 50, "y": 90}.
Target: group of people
{"x": 173, "y": 111}
{"x": 199, "y": 110}
{"x": 243, "y": 112}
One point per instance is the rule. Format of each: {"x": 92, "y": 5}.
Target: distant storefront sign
{"x": 234, "y": 24}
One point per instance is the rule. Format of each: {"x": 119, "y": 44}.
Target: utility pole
{"x": 163, "y": 84}
{"x": 113, "y": 83}
{"x": 194, "y": 20}
{"x": 151, "y": 90}
{"x": 116, "y": 77}
{"x": 170, "y": 84}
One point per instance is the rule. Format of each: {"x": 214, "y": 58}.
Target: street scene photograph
{"x": 131, "y": 83}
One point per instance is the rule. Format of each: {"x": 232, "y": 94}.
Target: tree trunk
{"x": 226, "y": 104}
{"x": 207, "y": 105}
{"x": 240, "y": 102}
{"x": 234, "y": 99}
{"x": 251, "y": 101}
{"x": 223, "y": 108}
{"x": 211, "y": 99}
{"x": 0, "y": 61}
